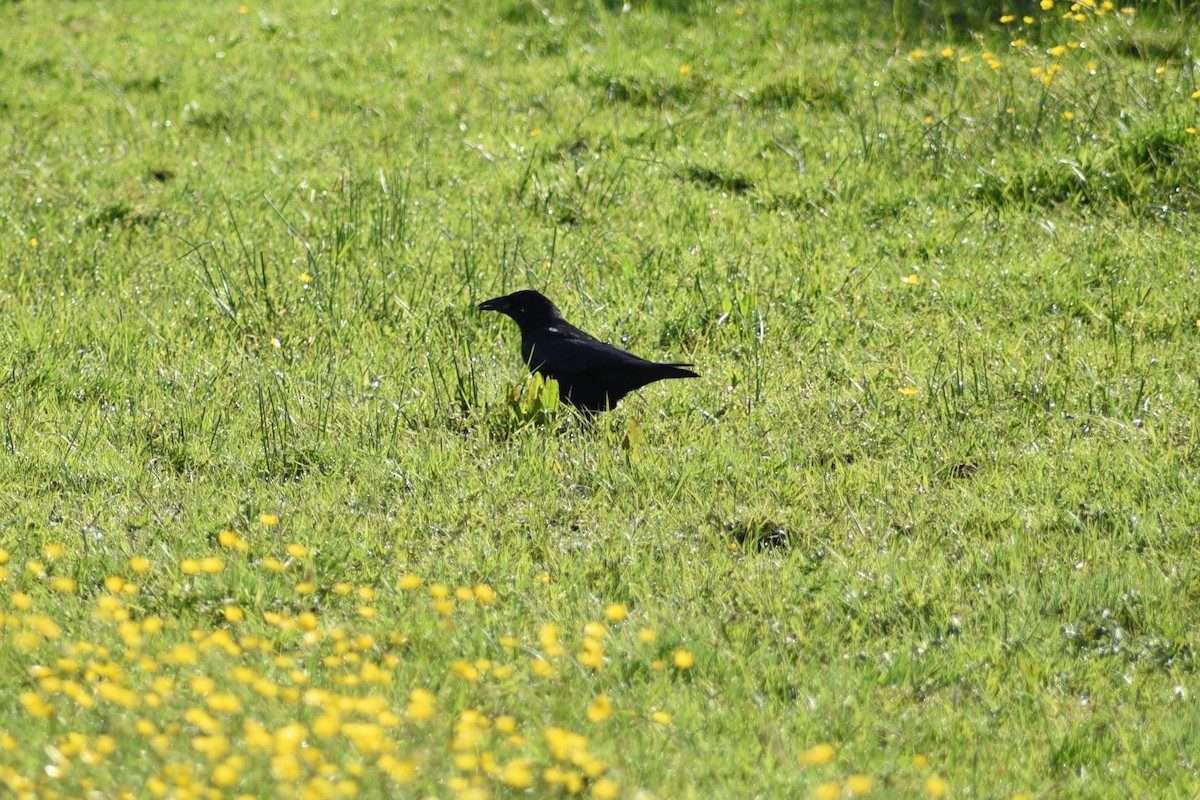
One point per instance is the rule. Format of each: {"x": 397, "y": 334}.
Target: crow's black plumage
{"x": 591, "y": 375}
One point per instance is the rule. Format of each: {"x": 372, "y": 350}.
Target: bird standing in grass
{"x": 592, "y": 376}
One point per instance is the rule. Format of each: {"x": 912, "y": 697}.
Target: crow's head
{"x": 526, "y": 307}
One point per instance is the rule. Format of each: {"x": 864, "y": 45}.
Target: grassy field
{"x": 281, "y": 515}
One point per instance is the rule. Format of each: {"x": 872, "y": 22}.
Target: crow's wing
{"x": 590, "y": 373}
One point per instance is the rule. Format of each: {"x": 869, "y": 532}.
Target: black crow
{"x": 591, "y": 375}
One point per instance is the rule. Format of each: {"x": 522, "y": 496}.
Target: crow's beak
{"x": 495, "y": 304}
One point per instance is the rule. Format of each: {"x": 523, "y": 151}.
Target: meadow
{"x": 281, "y": 514}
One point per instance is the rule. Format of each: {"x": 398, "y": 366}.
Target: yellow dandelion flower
{"x": 53, "y": 551}
{"x": 647, "y": 636}
{"x": 685, "y": 69}
{"x": 234, "y": 614}
{"x": 212, "y": 565}
{"x": 485, "y": 594}
{"x": 270, "y": 520}
{"x": 1190, "y": 131}
{"x": 1047, "y": 5}
{"x": 827, "y": 791}
{"x": 1007, "y": 18}
{"x": 63, "y": 584}
{"x": 190, "y": 566}
{"x": 683, "y": 659}
{"x": 408, "y": 582}
{"x": 916, "y": 55}
{"x": 1068, "y": 115}
{"x": 273, "y": 564}
{"x": 517, "y": 774}
{"x": 1027, "y": 20}
{"x": 243, "y": 9}
{"x": 818, "y": 755}
{"x": 658, "y": 665}
{"x": 606, "y": 789}
{"x": 305, "y": 277}
{"x": 936, "y": 786}
{"x": 296, "y": 550}
{"x": 920, "y": 761}
{"x": 662, "y": 718}
{"x": 1128, "y": 10}
{"x": 995, "y": 64}
{"x": 139, "y": 564}
{"x": 860, "y": 785}
{"x": 1058, "y": 50}
{"x": 909, "y": 391}
{"x": 535, "y": 132}
{"x": 542, "y": 668}
{"x": 600, "y": 708}
{"x": 965, "y": 60}
{"x": 1196, "y": 95}
{"x": 1017, "y": 43}
{"x": 305, "y": 588}
{"x": 948, "y": 52}
{"x": 911, "y": 280}
{"x": 615, "y": 612}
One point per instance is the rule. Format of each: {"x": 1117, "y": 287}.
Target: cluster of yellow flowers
{"x": 1075, "y": 25}
{"x": 233, "y": 691}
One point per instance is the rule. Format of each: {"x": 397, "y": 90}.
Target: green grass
{"x": 934, "y": 495}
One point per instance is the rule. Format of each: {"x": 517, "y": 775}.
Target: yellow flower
{"x": 1047, "y": 5}
{"x": 234, "y": 614}
{"x": 190, "y": 566}
{"x": 600, "y": 708}
{"x": 911, "y": 280}
{"x": 1058, "y": 51}
{"x": 517, "y": 774}
{"x": 305, "y": 277}
{"x": 860, "y": 785}
{"x": 408, "y": 582}
{"x": 270, "y": 520}
{"x": 1017, "y": 43}
{"x": 909, "y": 391}
{"x": 948, "y": 52}
{"x": 916, "y": 55}
{"x": 296, "y": 550}
{"x": 243, "y": 9}
{"x": 827, "y": 791}
{"x": 606, "y": 789}
{"x": 1068, "y": 115}
{"x": 63, "y": 584}
{"x": 920, "y": 761}
{"x": 273, "y": 564}
{"x": 647, "y": 636}
{"x": 685, "y": 69}
{"x": 683, "y": 659}
{"x": 139, "y": 564}
{"x": 936, "y": 786}
{"x": 1027, "y": 20}
{"x": 53, "y": 551}
{"x": 1190, "y": 131}
{"x": 661, "y": 718}
{"x": 535, "y": 132}
{"x": 818, "y": 755}
{"x": 1196, "y": 95}
{"x": 1007, "y": 18}
{"x": 485, "y": 594}
{"x": 616, "y": 612}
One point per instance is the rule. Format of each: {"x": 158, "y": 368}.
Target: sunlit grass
{"x": 284, "y": 515}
